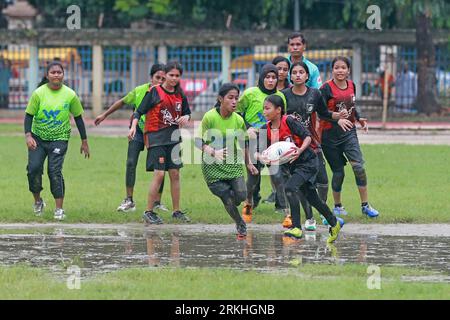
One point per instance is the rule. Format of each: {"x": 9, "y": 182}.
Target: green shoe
{"x": 334, "y": 231}
{"x": 294, "y": 233}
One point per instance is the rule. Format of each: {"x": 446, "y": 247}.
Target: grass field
{"x": 407, "y": 184}
{"x": 306, "y": 282}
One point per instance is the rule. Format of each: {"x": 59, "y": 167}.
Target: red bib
{"x": 284, "y": 133}
{"x": 165, "y": 113}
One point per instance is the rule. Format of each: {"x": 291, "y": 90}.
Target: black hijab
{"x": 267, "y": 68}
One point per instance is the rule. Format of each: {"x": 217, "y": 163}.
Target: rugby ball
{"x": 280, "y": 152}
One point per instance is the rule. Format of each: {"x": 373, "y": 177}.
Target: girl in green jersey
{"x": 47, "y": 131}
{"x": 135, "y": 146}
{"x": 221, "y": 130}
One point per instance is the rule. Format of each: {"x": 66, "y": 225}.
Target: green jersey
{"x": 135, "y": 97}
{"x": 251, "y": 106}
{"x": 51, "y": 111}
{"x": 220, "y": 133}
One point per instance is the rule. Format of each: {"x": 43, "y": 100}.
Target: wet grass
{"x": 11, "y": 129}
{"x": 305, "y": 282}
{"x": 406, "y": 184}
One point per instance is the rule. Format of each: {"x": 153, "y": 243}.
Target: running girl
{"x": 302, "y": 168}
{"x": 221, "y": 130}
{"x": 305, "y": 104}
{"x": 341, "y": 145}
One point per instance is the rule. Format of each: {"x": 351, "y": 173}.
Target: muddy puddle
{"x": 99, "y": 250}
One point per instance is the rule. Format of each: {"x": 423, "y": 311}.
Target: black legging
{"x": 134, "y": 150}
{"x": 322, "y": 187}
{"x": 300, "y": 181}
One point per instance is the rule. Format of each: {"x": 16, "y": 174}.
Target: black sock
{"x": 363, "y": 204}
{"x": 338, "y": 205}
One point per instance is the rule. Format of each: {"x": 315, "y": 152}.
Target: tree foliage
{"x": 251, "y": 14}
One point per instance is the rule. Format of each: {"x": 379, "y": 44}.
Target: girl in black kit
{"x": 302, "y": 168}
{"x": 306, "y": 104}
{"x": 341, "y": 144}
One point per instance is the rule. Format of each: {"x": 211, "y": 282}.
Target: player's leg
{"x": 135, "y": 147}
{"x": 156, "y": 162}
{"x": 56, "y": 154}
{"x": 353, "y": 153}
{"x": 252, "y": 182}
{"x": 335, "y": 157}
{"x": 228, "y": 191}
{"x": 173, "y": 165}
{"x": 291, "y": 188}
{"x": 35, "y": 168}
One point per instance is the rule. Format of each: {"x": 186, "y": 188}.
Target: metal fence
{"x": 207, "y": 67}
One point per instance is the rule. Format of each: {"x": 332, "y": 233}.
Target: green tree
{"x": 423, "y": 15}
{"x": 53, "y": 13}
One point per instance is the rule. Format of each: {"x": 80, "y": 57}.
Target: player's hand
{"x": 221, "y": 154}
{"x": 85, "y": 148}
{"x": 182, "y": 121}
{"x": 131, "y": 133}
{"x": 253, "y": 170}
{"x": 296, "y": 154}
{"x": 252, "y": 133}
{"x": 345, "y": 124}
{"x": 364, "y": 125}
{"x": 99, "y": 119}
{"x": 343, "y": 114}
{"x": 31, "y": 143}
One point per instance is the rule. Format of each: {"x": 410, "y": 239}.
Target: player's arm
{"x": 185, "y": 112}
{"x": 151, "y": 99}
{"x": 76, "y": 109}
{"x": 299, "y": 130}
{"x": 242, "y": 106}
{"x": 31, "y": 110}
{"x": 249, "y": 162}
{"x": 113, "y": 108}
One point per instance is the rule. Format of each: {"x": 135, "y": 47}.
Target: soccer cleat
{"x": 294, "y": 233}
{"x": 241, "y": 231}
{"x": 151, "y": 218}
{"x": 287, "y": 222}
{"x": 127, "y": 205}
{"x": 334, "y": 231}
{"x": 339, "y": 211}
{"x": 247, "y": 213}
{"x": 38, "y": 207}
{"x": 59, "y": 214}
{"x": 369, "y": 211}
{"x": 310, "y": 224}
{"x": 180, "y": 216}
{"x": 159, "y": 206}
